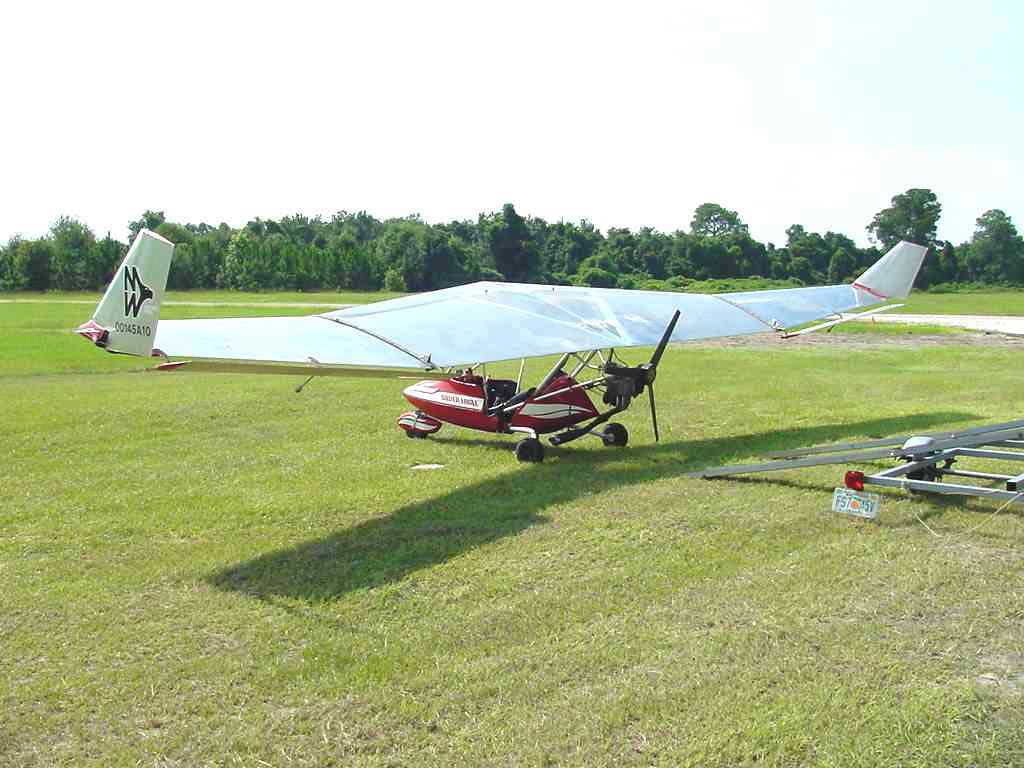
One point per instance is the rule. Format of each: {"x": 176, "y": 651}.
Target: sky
{"x": 625, "y": 114}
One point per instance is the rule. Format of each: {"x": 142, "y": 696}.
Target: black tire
{"x": 929, "y": 473}
{"x": 412, "y": 433}
{"x": 530, "y": 450}
{"x": 615, "y": 435}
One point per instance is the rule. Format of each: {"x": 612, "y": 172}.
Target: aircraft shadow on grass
{"x": 386, "y": 549}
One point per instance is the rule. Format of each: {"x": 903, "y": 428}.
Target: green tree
{"x": 596, "y": 277}
{"x": 364, "y": 227}
{"x": 246, "y": 264}
{"x": 713, "y": 257}
{"x": 209, "y": 249}
{"x": 509, "y": 244}
{"x": 403, "y": 246}
{"x": 749, "y": 256}
{"x": 653, "y": 250}
{"x": 73, "y": 264}
{"x": 841, "y": 267}
{"x": 107, "y": 258}
{"x": 678, "y": 263}
{"x": 996, "y": 252}
{"x": 393, "y": 281}
{"x": 30, "y": 264}
{"x": 448, "y": 260}
{"x": 779, "y": 263}
{"x": 148, "y": 220}
{"x": 176, "y": 233}
{"x": 711, "y": 219}
{"x": 948, "y": 263}
{"x": 182, "y": 275}
{"x": 9, "y": 279}
{"x": 912, "y": 216}
{"x": 811, "y": 247}
{"x": 800, "y": 268}
{"x": 356, "y": 250}
{"x": 566, "y": 245}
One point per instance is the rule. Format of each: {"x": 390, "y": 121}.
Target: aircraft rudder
{"x": 893, "y": 275}
{"x": 126, "y": 318}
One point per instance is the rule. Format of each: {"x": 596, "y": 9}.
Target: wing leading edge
{"x": 487, "y": 322}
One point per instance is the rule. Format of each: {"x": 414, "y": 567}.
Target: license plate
{"x": 847, "y": 502}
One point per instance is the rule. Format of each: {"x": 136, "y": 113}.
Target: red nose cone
{"x": 854, "y": 480}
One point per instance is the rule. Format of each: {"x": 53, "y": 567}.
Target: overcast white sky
{"x": 629, "y": 114}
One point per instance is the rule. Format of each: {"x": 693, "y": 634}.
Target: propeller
{"x": 625, "y": 383}
{"x": 656, "y": 357}
{"x": 652, "y": 366}
{"x": 654, "y": 411}
{"x": 622, "y": 383}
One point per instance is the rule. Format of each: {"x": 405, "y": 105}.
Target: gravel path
{"x": 987, "y": 323}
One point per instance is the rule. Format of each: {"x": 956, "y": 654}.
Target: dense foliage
{"x": 357, "y": 251}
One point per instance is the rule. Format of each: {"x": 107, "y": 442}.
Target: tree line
{"x": 358, "y": 251}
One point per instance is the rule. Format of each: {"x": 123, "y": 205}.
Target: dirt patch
{"x": 1004, "y": 675}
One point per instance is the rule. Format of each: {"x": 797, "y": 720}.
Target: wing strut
{"x": 423, "y": 359}
{"x": 843, "y": 319}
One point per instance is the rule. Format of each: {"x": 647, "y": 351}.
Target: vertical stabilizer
{"x": 126, "y": 317}
{"x": 893, "y": 275}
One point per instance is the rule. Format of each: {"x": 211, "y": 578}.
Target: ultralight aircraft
{"x": 447, "y": 337}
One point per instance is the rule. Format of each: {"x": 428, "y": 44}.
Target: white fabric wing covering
{"x": 486, "y": 322}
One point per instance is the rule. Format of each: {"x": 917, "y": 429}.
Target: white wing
{"x": 486, "y": 322}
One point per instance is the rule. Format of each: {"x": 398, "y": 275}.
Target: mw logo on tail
{"x": 135, "y": 292}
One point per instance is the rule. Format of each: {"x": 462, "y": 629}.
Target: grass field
{"x": 319, "y": 298}
{"x": 994, "y": 303}
{"x": 214, "y": 570}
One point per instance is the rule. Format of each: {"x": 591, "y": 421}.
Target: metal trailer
{"x": 925, "y": 461}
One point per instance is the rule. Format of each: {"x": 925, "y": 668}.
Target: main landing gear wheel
{"x": 413, "y": 434}
{"x": 530, "y": 450}
{"x": 615, "y": 435}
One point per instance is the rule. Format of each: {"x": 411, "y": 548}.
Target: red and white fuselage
{"x": 464, "y": 401}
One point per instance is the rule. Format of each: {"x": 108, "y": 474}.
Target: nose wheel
{"x": 614, "y": 436}
{"x": 530, "y": 450}
{"x": 417, "y": 424}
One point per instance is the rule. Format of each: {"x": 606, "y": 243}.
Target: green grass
{"x": 989, "y": 303}
{"x": 894, "y": 329}
{"x": 213, "y": 570}
{"x": 317, "y": 298}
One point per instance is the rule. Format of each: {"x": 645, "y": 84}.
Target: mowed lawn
{"x": 215, "y": 570}
{"x": 968, "y": 303}
{"x": 317, "y": 299}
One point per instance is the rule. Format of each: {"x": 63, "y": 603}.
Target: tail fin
{"x": 126, "y": 317}
{"x": 893, "y": 275}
